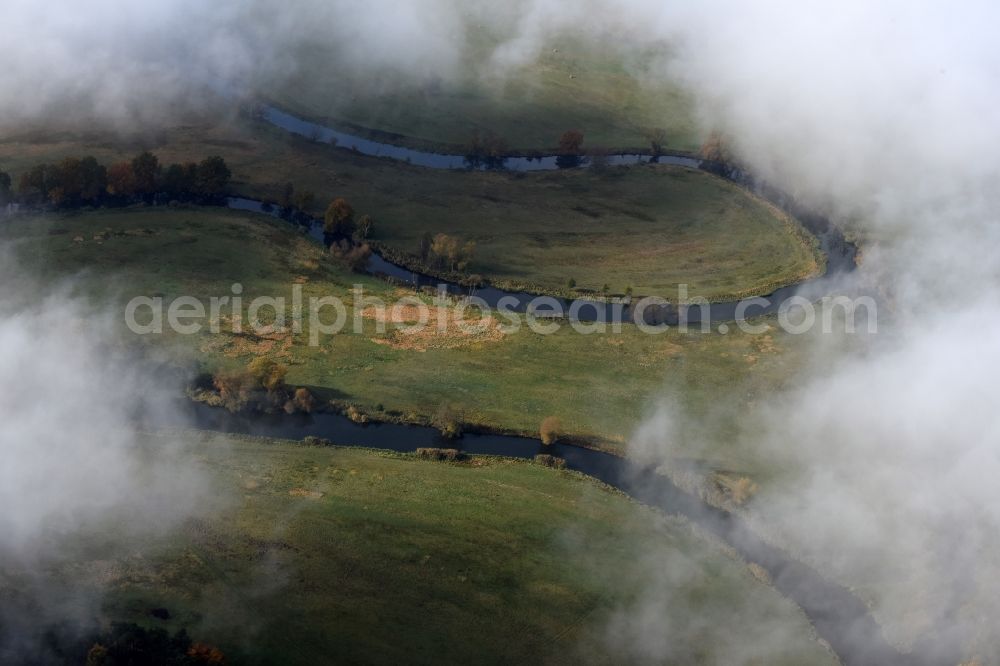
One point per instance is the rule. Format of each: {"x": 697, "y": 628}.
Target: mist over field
{"x": 73, "y": 465}
{"x": 881, "y": 115}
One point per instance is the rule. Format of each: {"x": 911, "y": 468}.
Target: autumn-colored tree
{"x": 571, "y": 143}
{"x": 550, "y": 430}
{"x": 235, "y": 389}
{"x": 304, "y": 400}
{"x": 213, "y": 177}
{"x": 202, "y": 653}
{"x": 145, "y": 172}
{"x": 716, "y": 149}
{"x": 339, "y": 218}
{"x": 742, "y": 489}
{"x": 269, "y": 374}
{"x": 121, "y": 180}
{"x": 449, "y": 253}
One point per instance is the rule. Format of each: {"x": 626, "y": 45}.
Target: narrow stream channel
{"x": 839, "y": 617}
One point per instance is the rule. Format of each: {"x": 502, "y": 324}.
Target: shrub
{"x": 354, "y": 256}
{"x": 448, "y": 455}
{"x": 742, "y": 489}
{"x": 260, "y": 386}
{"x": 356, "y": 415}
{"x": 447, "y": 421}
{"x": 546, "y": 460}
{"x": 269, "y": 374}
{"x": 550, "y": 430}
{"x": 304, "y": 400}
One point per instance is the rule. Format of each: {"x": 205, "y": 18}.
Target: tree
{"x": 304, "y": 400}
{"x": 304, "y": 200}
{"x": 364, "y": 230}
{"x": 121, "y": 180}
{"x": 449, "y": 253}
{"x": 145, "y": 171}
{"x": 287, "y": 196}
{"x": 444, "y": 250}
{"x": 716, "y": 149}
{"x": 269, "y": 374}
{"x": 67, "y": 182}
{"x": 34, "y": 184}
{"x": 94, "y": 179}
{"x": 657, "y": 140}
{"x": 571, "y": 142}
{"x": 339, "y": 218}
{"x": 550, "y": 430}
{"x": 6, "y": 194}
{"x": 179, "y": 180}
{"x": 213, "y": 177}
{"x": 426, "y": 241}
{"x": 569, "y": 150}
{"x": 447, "y": 420}
{"x": 571, "y": 283}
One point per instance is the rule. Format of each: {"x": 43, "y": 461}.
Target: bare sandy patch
{"x": 432, "y": 327}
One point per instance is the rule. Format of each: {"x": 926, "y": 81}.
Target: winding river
{"x": 839, "y": 252}
{"x": 839, "y": 616}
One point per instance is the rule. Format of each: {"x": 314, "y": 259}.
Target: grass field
{"x": 325, "y": 555}
{"x": 646, "y": 228}
{"x": 576, "y": 83}
{"x": 600, "y": 385}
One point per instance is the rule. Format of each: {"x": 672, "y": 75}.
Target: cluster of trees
{"x": 84, "y": 181}
{"x": 339, "y": 221}
{"x": 446, "y": 252}
{"x": 486, "y": 148}
{"x": 348, "y": 237}
{"x": 296, "y": 202}
{"x": 261, "y": 387}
